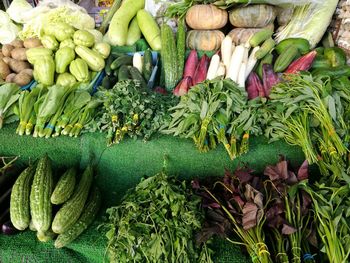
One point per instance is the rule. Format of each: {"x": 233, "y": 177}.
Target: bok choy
{"x": 9, "y": 94}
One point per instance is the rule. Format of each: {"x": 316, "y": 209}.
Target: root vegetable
{"x": 10, "y": 77}
{"x": 17, "y": 66}
{"x": 1, "y": 55}
{"x": 4, "y": 69}
{"x": 17, "y": 43}
{"x": 6, "y": 60}
{"x": 31, "y": 42}
{"x": 22, "y": 79}
{"x": 6, "y": 50}
{"x": 19, "y": 54}
{"x": 28, "y": 71}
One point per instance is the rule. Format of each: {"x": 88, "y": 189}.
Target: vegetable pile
{"x": 269, "y": 215}
{"x": 34, "y": 197}
{"x": 14, "y": 66}
{"x": 131, "y": 110}
{"x": 156, "y": 222}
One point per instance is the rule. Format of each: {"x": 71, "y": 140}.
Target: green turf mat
{"x": 118, "y": 168}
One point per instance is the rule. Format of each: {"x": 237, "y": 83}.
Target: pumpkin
{"x": 242, "y": 35}
{"x": 252, "y": 16}
{"x": 205, "y": 17}
{"x": 207, "y": 40}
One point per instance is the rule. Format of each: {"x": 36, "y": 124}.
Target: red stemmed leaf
{"x": 303, "y": 172}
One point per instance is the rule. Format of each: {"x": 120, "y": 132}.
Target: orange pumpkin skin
{"x": 207, "y": 40}
{"x": 206, "y": 17}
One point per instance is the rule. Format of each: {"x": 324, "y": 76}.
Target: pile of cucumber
{"x": 121, "y": 66}
{"x": 35, "y": 196}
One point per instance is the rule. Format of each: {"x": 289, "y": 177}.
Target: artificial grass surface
{"x": 119, "y": 168}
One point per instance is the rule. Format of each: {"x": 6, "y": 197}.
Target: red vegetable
{"x": 201, "y": 70}
{"x": 183, "y": 86}
{"x": 254, "y": 86}
{"x": 191, "y": 64}
{"x": 160, "y": 90}
{"x": 303, "y": 63}
{"x": 270, "y": 79}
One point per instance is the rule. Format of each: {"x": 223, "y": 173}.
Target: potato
{"x": 17, "y": 66}
{"x": 19, "y": 54}
{"x": 10, "y": 77}
{"x": 31, "y": 42}
{"x": 17, "y": 43}
{"x": 22, "y": 79}
{"x": 4, "y": 69}
{"x": 6, "y": 50}
{"x": 1, "y": 55}
{"x": 6, "y": 60}
{"x": 28, "y": 71}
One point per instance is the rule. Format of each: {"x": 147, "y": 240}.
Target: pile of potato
{"x": 14, "y": 66}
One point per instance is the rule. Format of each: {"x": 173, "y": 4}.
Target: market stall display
{"x": 219, "y": 73}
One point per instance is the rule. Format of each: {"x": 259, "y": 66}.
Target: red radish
{"x": 254, "y": 86}
{"x": 270, "y": 79}
{"x": 160, "y": 90}
{"x": 191, "y": 64}
{"x": 183, "y": 87}
{"x": 303, "y": 63}
{"x": 201, "y": 70}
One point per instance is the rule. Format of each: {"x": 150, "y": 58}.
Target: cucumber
{"x": 64, "y": 188}
{"x": 260, "y": 37}
{"x": 284, "y": 60}
{"x": 109, "y": 61}
{"x": 72, "y": 209}
{"x": 265, "y": 48}
{"x": 302, "y": 44}
{"x": 123, "y": 60}
{"x": 19, "y": 204}
{"x": 147, "y": 65}
{"x": 123, "y": 73}
{"x": 87, "y": 217}
{"x": 169, "y": 57}
{"x": 106, "y": 82}
{"x": 136, "y": 75}
{"x": 40, "y": 205}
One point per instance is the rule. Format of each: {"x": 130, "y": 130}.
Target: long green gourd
{"x": 118, "y": 28}
{"x": 19, "y": 204}
{"x": 64, "y": 187}
{"x": 87, "y": 217}
{"x": 40, "y": 205}
{"x": 72, "y": 209}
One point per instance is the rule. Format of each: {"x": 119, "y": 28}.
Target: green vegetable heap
{"x": 156, "y": 222}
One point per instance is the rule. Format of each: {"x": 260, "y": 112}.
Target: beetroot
{"x": 191, "y": 64}
{"x": 183, "y": 86}
{"x": 303, "y": 63}
{"x": 201, "y": 70}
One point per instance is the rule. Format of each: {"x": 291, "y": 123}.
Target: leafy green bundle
{"x": 156, "y": 222}
{"x": 217, "y": 111}
{"x": 9, "y": 94}
{"x": 312, "y": 113}
{"x": 130, "y": 110}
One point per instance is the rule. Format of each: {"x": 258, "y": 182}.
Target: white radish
{"x": 226, "y": 50}
{"x": 241, "y": 75}
{"x": 213, "y": 67}
{"x": 221, "y": 70}
{"x": 235, "y": 63}
{"x": 251, "y": 62}
{"x": 137, "y": 61}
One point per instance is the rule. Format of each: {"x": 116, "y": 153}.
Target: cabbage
{"x": 8, "y": 30}
{"x": 4, "y": 18}
{"x": 74, "y": 17}
{"x": 18, "y": 10}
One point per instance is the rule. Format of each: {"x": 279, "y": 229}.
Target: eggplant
{"x": 5, "y": 201}
{"x": 4, "y": 217}
{"x": 6, "y": 182}
{"x": 8, "y": 229}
